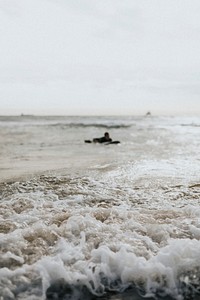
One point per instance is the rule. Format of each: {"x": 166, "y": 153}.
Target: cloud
{"x": 88, "y": 55}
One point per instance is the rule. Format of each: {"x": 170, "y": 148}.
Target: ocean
{"x": 95, "y": 221}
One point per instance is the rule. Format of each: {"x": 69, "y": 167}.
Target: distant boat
{"x": 148, "y": 113}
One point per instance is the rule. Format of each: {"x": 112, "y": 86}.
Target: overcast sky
{"x": 99, "y": 57}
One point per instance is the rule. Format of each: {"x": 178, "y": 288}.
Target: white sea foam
{"x": 106, "y": 217}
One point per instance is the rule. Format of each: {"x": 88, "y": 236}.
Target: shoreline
{"x": 25, "y": 176}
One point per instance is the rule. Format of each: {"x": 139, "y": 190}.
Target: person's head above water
{"x": 106, "y": 134}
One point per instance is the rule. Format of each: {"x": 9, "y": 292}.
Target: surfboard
{"x": 106, "y": 143}
{"x": 88, "y": 141}
{"x": 113, "y": 142}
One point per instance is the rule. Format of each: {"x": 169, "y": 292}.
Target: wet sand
{"x": 133, "y": 295}
{"x": 77, "y": 294}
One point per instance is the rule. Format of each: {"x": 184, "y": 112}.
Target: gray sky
{"x": 99, "y": 57}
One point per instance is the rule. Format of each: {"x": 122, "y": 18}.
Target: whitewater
{"x": 91, "y": 221}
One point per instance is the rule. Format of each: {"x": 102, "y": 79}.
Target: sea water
{"x": 84, "y": 220}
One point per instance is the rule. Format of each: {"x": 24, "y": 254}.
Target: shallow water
{"x": 105, "y": 217}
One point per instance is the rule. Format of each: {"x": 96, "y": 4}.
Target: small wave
{"x": 97, "y": 125}
{"x": 191, "y": 125}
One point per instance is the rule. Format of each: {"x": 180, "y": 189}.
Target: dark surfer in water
{"x": 104, "y": 139}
